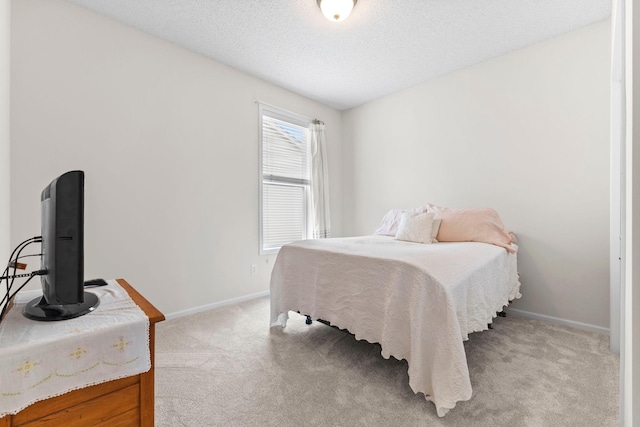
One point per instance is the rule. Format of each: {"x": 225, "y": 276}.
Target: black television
{"x": 62, "y": 223}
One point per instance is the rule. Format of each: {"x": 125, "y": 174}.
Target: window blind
{"x": 285, "y": 176}
{"x": 283, "y": 214}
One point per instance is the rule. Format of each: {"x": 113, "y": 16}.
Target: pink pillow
{"x": 390, "y": 221}
{"x": 471, "y": 225}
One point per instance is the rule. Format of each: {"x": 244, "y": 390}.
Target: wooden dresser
{"x": 119, "y": 403}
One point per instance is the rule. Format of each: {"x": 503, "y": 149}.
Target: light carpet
{"x": 226, "y": 367}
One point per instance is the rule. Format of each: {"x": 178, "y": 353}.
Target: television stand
{"x": 125, "y": 402}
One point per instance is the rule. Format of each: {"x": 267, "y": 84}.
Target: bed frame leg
{"x": 501, "y": 314}
{"x": 308, "y": 321}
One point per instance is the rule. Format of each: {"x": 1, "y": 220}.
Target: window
{"x": 284, "y": 178}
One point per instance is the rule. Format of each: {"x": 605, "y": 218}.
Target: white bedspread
{"x": 419, "y": 301}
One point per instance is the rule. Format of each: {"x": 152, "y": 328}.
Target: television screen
{"x": 62, "y": 222}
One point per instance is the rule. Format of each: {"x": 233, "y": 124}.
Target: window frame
{"x": 298, "y": 120}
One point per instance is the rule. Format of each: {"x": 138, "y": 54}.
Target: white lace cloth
{"x": 39, "y": 360}
{"x": 419, "y": 301}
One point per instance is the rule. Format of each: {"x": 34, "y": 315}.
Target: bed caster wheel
{"x": 308, "y": 321}
{"x": 490, "y": 326}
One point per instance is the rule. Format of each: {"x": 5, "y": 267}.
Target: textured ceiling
{"x": 384, "y": 46}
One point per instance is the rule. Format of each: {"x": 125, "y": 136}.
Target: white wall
{"x": 526, "y": 133}
{"x": 5, "y": 45}
{"x": 169, "y": 143}
{"x": 168, "y": 140}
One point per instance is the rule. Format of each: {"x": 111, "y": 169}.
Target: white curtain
{"x": 319, "y": 183}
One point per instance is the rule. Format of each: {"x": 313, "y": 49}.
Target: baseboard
{"x": 566, "y": 322}
{"x": 218, "y": 304}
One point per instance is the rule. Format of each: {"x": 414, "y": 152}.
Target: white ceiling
{"x": 384, "y": 46}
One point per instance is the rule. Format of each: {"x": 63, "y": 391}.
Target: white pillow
{"x": 389, "y": 225}
{"x": 434, "y": 230}
{"x": 415, "y": 227}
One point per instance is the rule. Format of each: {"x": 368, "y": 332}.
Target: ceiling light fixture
{"x": 336, "y": 10}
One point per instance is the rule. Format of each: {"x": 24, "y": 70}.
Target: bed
{"x": 418, "y": 301}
